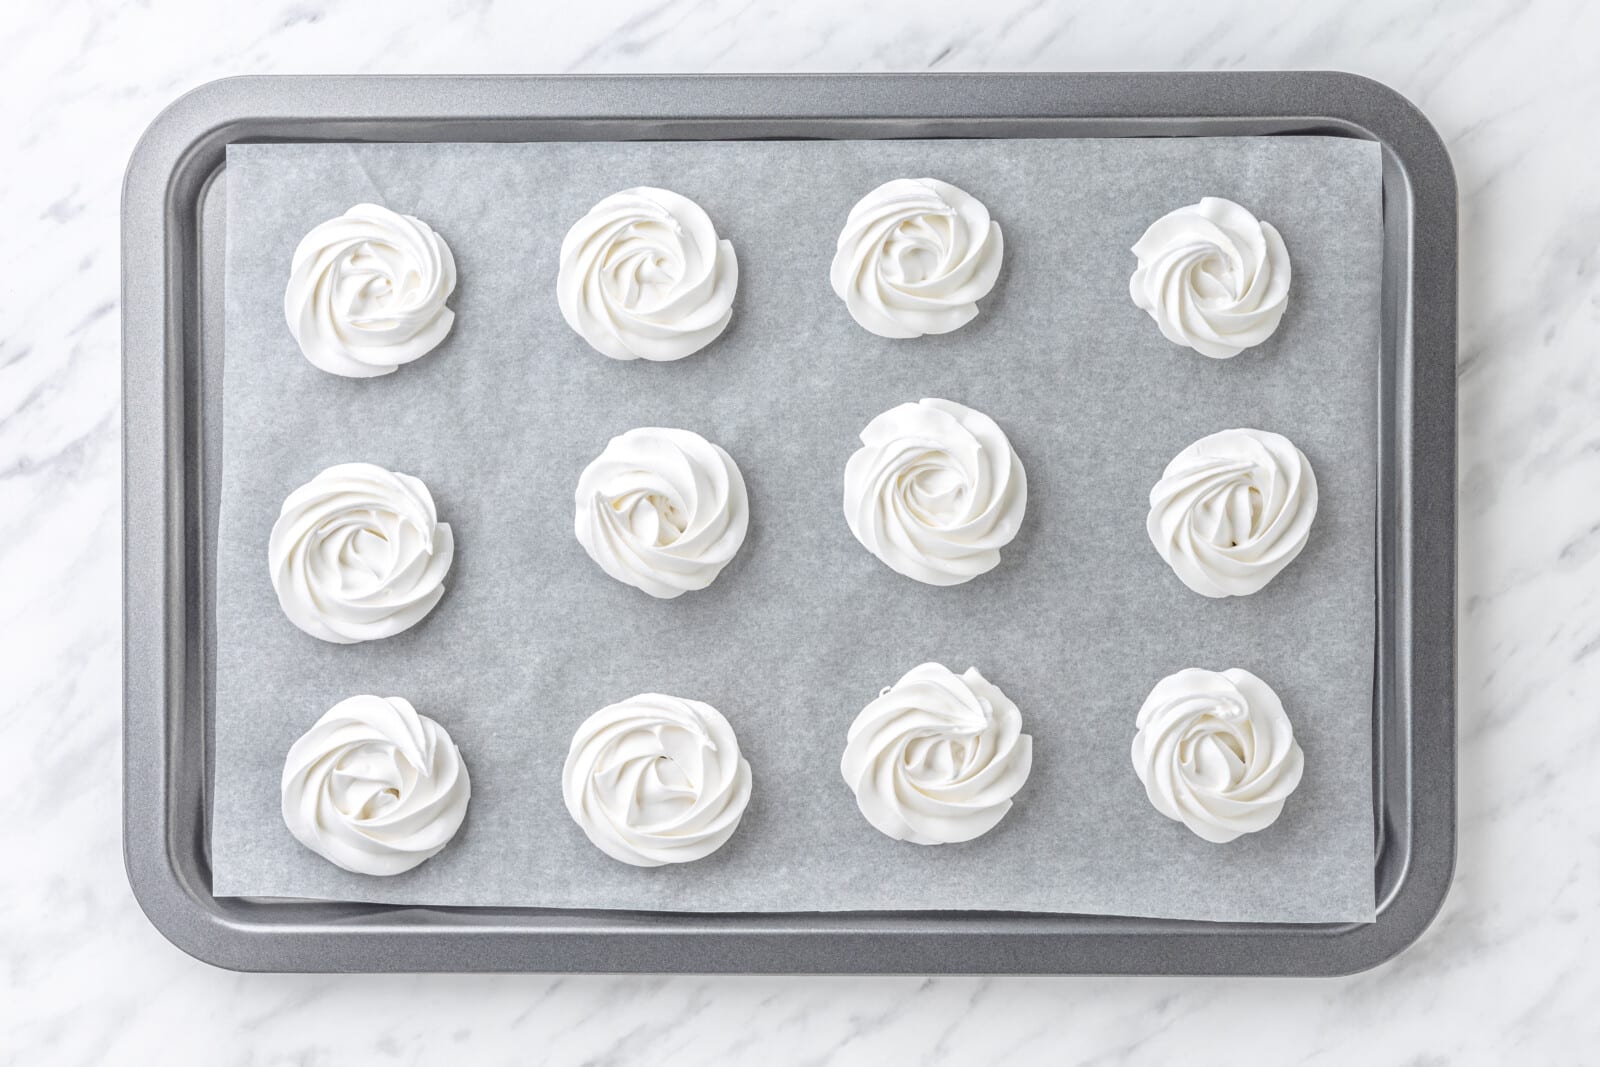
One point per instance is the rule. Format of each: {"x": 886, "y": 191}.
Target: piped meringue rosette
{"x": 662, "y": 510}
{"x": 1216, "y": 752}
{"x": 645, "y": 276}
{"x": 374, "y": 787}
{"x": 935, "y": 491}
{"x": 1233, "y": 510}
{"x": 656, "y": 779}
{"x": 358, "y": 553}
{"x": 1213, "y": 277}
{"x": 367, "y": 292}
{"x": 915, "y": 257}
{"x": 937, "y": 757}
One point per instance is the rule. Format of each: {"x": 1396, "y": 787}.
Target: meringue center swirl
{"x": 935, "y": 491}
{"x": 937, "y": 757}
{"x": 358, "y": 553}
{"x": 1216, "y": 751}
{"x": 1213, "y": 277}
{"x": 645, "y": 276}
{"x": 1233, "y": 510}
{"x": 374, "y": 787}
{"x": 662, "y": 510}
{"x": 367, "y": 292}
{"x": 656, "y": 779}
{"x": 915, "y": 256}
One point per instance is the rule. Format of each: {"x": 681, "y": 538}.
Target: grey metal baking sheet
{"x": 172, "y": 229}
{"x": 1077, "y": 624}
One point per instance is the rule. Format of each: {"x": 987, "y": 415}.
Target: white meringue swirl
{"x": 1232, "y": 510}
{"x": 915, "y": 257}
{"x": 935, "y": 491}
{"x": 367, "y": 292}
{"x": 358, "y": 553}
{"x": 662, "y": 510}
{"x": 937, "y": 757}
{"x": 1214, "y": 277}
{"x": 644, "y": 276}
{"x": 656, "y": 779}
{"x": 1216, "y": 752}
{"x": 375, "y": 787}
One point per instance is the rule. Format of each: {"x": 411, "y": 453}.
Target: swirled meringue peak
{"x": 935, "y": 491}
{"x": 367, "y": 292}
{"x": 358, "y": 553}
{"x": 1213, "y": 276}
{"x": 1216, "y": 752}
{"x": 937, "y": 757}
{"x": 915, "y": 257}
{"x": 644, "y": 276}
{"x": 656, "y": 779}
{"x": 662, "y": 510}
{"x": 375, "y": 787}
{"x": 1232, "y": 510}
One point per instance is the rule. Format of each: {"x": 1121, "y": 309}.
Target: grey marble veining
{"x": 1506, "y": 974}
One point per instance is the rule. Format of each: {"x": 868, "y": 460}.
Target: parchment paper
{"x": 805, "y": 627}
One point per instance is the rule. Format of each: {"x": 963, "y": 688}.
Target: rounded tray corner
{"x": 184, "y": 124}
{"x": 187, "y": 917}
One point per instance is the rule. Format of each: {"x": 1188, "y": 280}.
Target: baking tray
{"x": 173, "y": 230}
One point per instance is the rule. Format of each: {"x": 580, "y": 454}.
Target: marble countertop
{"x": 1506, "y": 973}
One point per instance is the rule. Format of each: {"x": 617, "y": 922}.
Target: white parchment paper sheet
{"x": 805, "y": 627}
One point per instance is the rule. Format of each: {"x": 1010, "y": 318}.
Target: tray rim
{"x": 172, "y": 165}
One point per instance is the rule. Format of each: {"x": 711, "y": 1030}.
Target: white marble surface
{"x": 1506, "y": 974}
